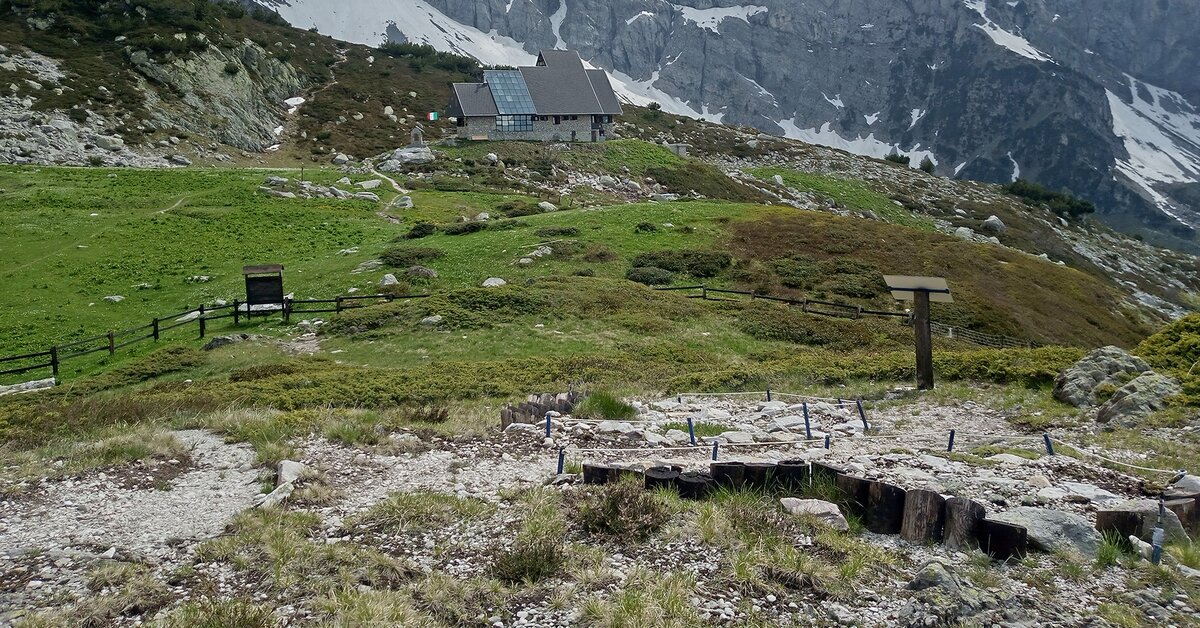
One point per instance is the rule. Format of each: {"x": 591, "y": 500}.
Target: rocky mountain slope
{"x": 1097, "y": 98}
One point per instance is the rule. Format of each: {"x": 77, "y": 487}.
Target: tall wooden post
{"x": 924, "y": 340}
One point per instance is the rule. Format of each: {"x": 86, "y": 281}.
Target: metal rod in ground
{"x": 839, "y": 402}
{"x": 827, "y": 441}
{"x": 807, "y": 427}
{"x": 692, "y": 431}
{"x": 950, "y": 445}
{"x": 562, "y": 460}
{"x": 1049, "y": 445}
{"x": 768, "y": 394}
{"x": 547, "y": 425}
{"x": 862, "y": 414}
{"x": 716, "y": 446}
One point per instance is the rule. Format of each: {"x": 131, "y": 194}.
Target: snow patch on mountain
{"x": 1162, "y": 136}
{"x": 367, "y": 21}
{"x": 638, "y": 17}
{"x": 869, "y": 145}
{"x": 556, "y": 22}
{"x": 1004, "y": 38}
{"x": 710, "y": 19}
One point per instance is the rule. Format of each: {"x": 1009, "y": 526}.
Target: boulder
{"x": 371, "y": 184}
{"x": 404, "y": 202}
{"x": 1079, "y": 491}
{"x": 733, "y": 437}
{"x": 494, "y": 282}
{"x": 483, "y": 217}
{"x": 778, "y": 179}
{"x": 278, "y": 181}
{"x": 965, "y": 233}
{"x": 1053, "y": 530}
{"x": 824, "y": 511}
{"x": 615, "y": 427}
{"x": 109, "y": 143}
{"x": 114, "y": 298}
{"x": 664, "y": 198}
{"x": 492, "y": 158}
{"x": 993, "y": 225}
{"x": 547, "y": 206}
{"x": 1108, "y": 365}
{"x": 277, "y": 496}
{"x": 422, "y": 272}
{"x": 388, "y": 281}
{"x": 409, "y": 155}
{"x": 1135, "y": 401}
{"x": 180, "y": 160}
{"x": 367, "y": 196}
{"x": 340, "y": 160}
{"x": 431, "y": 321}
{"x": 935, "y": 573}
{"x": 1188, "y": 484}
{"x": 1148, "y": 508}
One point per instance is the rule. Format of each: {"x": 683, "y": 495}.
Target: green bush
{"x": 645, "y": 227}
{"x": 694, "y": 263}
{"x": 625, "y": 510}
{"x": 403, "y": 257}
{"x": 650, "y": 276}
{"x": 897, "y": 158}
{"x": 928, "y": 166}
{"x": 518, "y": 209}
{"x": 462, "y": 228}
{"x": 603, "y": 405}
{"x": 1061, "y": 203}
{"x": 421, "y": 230}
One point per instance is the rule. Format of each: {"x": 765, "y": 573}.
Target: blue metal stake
{"x": 562, "y": 460}
{"x": 862, "y": 414}
{"x": 839, "y": 402}
{"x": 692, "y": 431}
{"x": 950, "y": 445}
{"x": 827, "y": 441}
{"x": 1049, "y": 445}
{"x": 716, "y": 446}
{"x": 807, "y": 427}
{"x": 768, "y": 394}
{"x": 547, "y": 425}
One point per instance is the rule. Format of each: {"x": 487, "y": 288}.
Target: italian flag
{"x": 432, "y": 116}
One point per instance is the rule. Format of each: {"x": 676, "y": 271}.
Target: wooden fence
{"x": 201, "y": 316}
{"x": 843, "y": 310}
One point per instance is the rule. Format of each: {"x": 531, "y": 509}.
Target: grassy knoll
{"x": 848, "y": 193}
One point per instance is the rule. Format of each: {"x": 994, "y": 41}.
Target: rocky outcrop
{"x": 1134, "y": 401}
{"x": 1053, "y": 530}
{"x": 1108, "y": 366}
{"x": 233, "y": 94}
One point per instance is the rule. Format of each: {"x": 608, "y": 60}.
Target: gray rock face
{"x": 1137, "y": 399}
{"x": 388, "y": 281}
{"x": 1149, "y": 508}
{"x": 409, "y": 155}
{"x": 494, "y": 282}
{"x": 1108, "y": 365}
{"x": 421, "y": 271}
{"x": 824, "y": 511}
{"x": 1054, "y": 530}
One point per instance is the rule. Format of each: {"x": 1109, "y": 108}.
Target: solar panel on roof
{"x": 510, "y": 92}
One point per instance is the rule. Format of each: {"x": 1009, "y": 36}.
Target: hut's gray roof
{"x": 559, "y": 85}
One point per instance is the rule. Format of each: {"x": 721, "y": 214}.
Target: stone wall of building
{"x": 543, "y": 131}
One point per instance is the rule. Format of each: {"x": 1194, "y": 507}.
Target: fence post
{"x": 1049, "y": 445}
{"x": 804, "y": 305}
{"x": 562, "y": 459}
{"x": 54, "y": 361}
{"x": 862, "y": 414}
{"x": 236, "y": 311}
{"x": 704, "y": 292}
{"x": 112, "y": 345}
{"x": 692, "y": 431}
{"x": 950, "y": 445}
{"x": 203, "y": 323}
{"x": 807, "y": 427}
{"x": 547, "y": 425}
{"x": 858, "y": 315}
{"x": 338, "y": 304}
{"x": 155, "y": 323}
{"x": 287, "y": 310}
{"x": 716, "y": 446}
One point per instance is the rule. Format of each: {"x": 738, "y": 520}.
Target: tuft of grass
{"x": 1188, "y": 554}
{"x": 353, "y": 607}
{"x": 623, "y": 510}
{"x": 134, "y": 592}
{"x": 647, "y": 599}
{"x": 275, "y": 546}
{"x": 405, "y": 513}
{"x": 702, "y": 429}
{"x": 604, "y": 405}
{"x": 1121, "y": 615}
{"x": 1112, "y": 547}
{"x": 457, "y": 601}
{"x": 221, "y": 613}
{"x": 537, "y": 551}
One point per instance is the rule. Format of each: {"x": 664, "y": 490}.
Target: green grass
{"x": 153, "y": 232}
{"x": 604, "y": 405}
{"x": 850, "y": 193}
{"x": 403, "y": 513}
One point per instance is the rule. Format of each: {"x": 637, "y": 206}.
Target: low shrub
{"x": 403, "y": 257}
{"x": 517, "y": 209}
{"x": 690, "y": 262}
{"x": 584, "y": 272}
{"x": 261, "y": 371}
{"x": 622, "y": 510}
{"x": 650, "y": 276}
{"x": 462, "y": 228}
{"x": 555, "y": 232}
{"x": 421, "y": 230}
{"x": 645, "y": 227}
